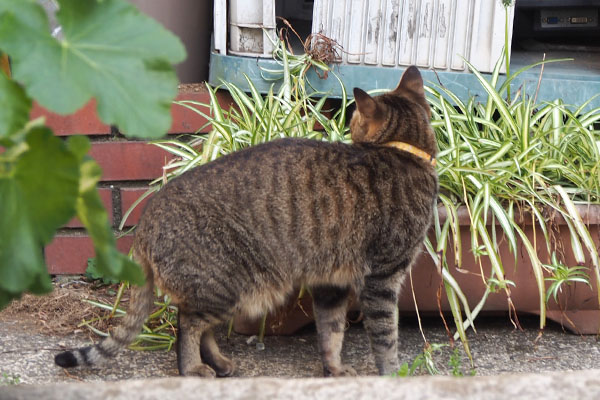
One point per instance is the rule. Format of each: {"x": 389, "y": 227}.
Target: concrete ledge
{"x": 556, "y": 385}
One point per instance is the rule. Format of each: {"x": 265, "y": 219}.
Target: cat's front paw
{"x": 342, "y": 370}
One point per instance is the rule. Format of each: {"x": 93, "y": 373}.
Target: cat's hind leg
{"x": 211, "y": 355}
{"x": 379, "y": 304}
{"x": 191, "y": 328}
{"x": 330, "y": 304}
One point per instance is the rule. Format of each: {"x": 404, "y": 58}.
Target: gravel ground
{"x": 497, "y": 349}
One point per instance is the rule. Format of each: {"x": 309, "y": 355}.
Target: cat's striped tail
{"x": 142, "y": 301}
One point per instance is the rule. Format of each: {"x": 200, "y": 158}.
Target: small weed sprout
{"x": 455, "y": 364}
{"x": 422, "y": 362}
{"x": 7, "y": 379}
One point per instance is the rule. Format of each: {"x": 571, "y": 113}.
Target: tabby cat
{"x": 239, "y": 234}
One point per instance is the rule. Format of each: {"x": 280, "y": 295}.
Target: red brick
{"x": 69, "y": 254}
{"x": 124, "y": 243}
{"x": 189, "y": 121}
{"x": 130, "y": 196}
{"x": 84, "y": 121}
{"x": 106, "y": 197}
{"x": 129, "y": 161}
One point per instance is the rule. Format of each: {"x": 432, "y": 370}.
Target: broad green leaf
{"x": 79, "y": 146}
{"x": 110, "y": 51}
{"x": 20, "y": 253}
{"x": 48, "y": 178}
{"x": 38, "y": 194}
{"x": 109, "y": 261}
{"x": 14, "y": 107}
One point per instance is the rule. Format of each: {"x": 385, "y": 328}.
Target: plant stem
{"x": 506, "y": 49}
{"x": 261, "y": 331}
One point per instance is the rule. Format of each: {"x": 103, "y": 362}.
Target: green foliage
{"x": 92, "y": 274}
{"x": 9, "y": 379}
{"x": 36, "y": 200}
{"x": 14, "y": 112}
{"x": 424, "y": 362}
{"x": 111, "y": 52}
{"x": 158, "y": 332}
{"x": 403, "y": 372}
{"x": 509, "y": 162}
{"x": 500, "y": 159}
{"x": 561, "y": 275}
{"x": 91, "y": 212}
{"x": 455, "y": 364}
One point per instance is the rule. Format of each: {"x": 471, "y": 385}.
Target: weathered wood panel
{"x": 428, "y": 33}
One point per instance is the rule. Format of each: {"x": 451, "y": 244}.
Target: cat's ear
{"x": 411, "y": 81}
{"x": 365, "y": 103}
{"x": 411, "y": 85}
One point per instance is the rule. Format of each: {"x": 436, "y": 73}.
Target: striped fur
{"x": 142, "y": 300}
{"x": 238, "y": 235}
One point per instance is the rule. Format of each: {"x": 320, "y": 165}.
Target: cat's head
{"x": 402, "y": 114}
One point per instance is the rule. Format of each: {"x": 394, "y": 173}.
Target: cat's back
{"x": 255, "y": 172}
{"x": 294, "y": 172}
{"x": 272, "y": 183}
{"x": 299, "y": 198}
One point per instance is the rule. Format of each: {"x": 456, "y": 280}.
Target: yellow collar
{"x": 413, "y": 150}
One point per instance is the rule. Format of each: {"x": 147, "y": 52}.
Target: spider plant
{"x": 502, "y": 159}
{"x": 158, "y": 333}
{"x": 563, "y": 275}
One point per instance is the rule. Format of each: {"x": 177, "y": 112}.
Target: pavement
{"x": 583, "y": 385}
{"x": 556, "y": 364}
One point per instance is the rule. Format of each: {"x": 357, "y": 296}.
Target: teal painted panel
{"x": 573, "y": 86}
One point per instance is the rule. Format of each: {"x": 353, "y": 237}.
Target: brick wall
{"x": 128, "y": 165}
